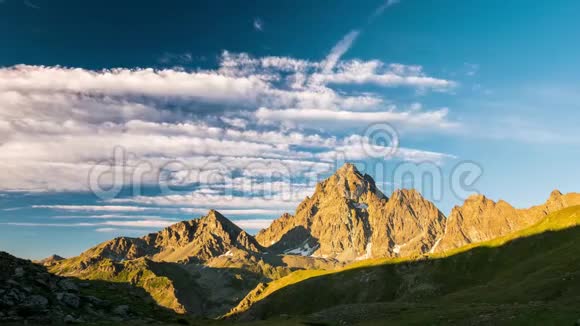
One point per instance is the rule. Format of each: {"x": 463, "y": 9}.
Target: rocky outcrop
{"x": 348, "y": 218}
{"x": 30, "y": 294}
{"x": 481, "y": 219}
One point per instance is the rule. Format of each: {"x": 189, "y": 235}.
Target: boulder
{"x": 68, "y": 285}
{"x": 37, "y": 300}
{"x": 19, "y": 272}
{"x": 69, "y": 299}
{"x": 68, "y": 319}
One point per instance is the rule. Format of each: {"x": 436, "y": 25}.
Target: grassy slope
{"x": 529, "y": 275}
{"x": 138, "y": 273}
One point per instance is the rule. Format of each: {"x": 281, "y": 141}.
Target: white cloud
{"x": 235, "y": 212}
{"x": 256, "y": 224}
{"x": 57, "y": 124}
{"x": 382, "y": 8}
{"x": 338, "y": 51}
{"x": 258, "y": 24}
{"x": 287, "y": 201}
{"x": 139, "y": 223}
{"x": 98, "y": 208}
{"x": 119, "y": 226}
{"x": 375, "y": 72}
{"x": 436, "y": 119}
{"x": 123, "y": 231}
{"x": 110, "y": 216}
{"x": 106, "y": 230}
{"x": 355, "y": 148}
{"x": 207, "y": 85}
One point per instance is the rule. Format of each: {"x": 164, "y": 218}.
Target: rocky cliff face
{"x": 348, "y": 218}
{"x": 200, "y": 239}
{"x": 196, "y": 240}
{"x": 481, "y": 219}
{"x": 407, "y": 225}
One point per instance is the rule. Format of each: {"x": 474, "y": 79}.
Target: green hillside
{"x": 532, "y": 276}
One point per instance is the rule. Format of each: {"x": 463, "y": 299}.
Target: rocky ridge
{"x": 481, "y": 219}
{"x": 197, "y": 240}
{"x": 348, "y": 218}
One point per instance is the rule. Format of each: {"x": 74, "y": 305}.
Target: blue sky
{"x": 243, "y": 105}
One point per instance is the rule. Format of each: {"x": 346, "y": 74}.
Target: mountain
{"x": 50, "y": 260}
{"x": 349, "y": 218}
{"x": 481, "y": 219}
{"x": 197, "y": 240}
{"x": 200, "y": 267}
{"x": 206, "y": 266}
{"x": 527, "y": 277}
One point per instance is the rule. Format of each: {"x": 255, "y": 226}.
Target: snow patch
{"x": 368, "y": 252}
{"x": 361, "y": 205}
{"x": 228, "y": 253}
{"x": 304, "y": 250}
{"x": 397, "y": 249}
{"x": 435, "y": 245}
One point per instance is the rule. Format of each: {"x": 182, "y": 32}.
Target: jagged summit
{"x": 194, "y": 240}
{"x": 347, "y": 168}
{"x": 349, "y": 183}
{"x": 349, "y": 218}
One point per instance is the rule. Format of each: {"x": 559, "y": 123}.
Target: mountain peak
{"x": 555, "y": 194}
{"x": 405, "y": 193}
{"x": 347, "y": 182}
{"x": 348, "y": 218}
{"x": 52, "y": 259}
{"x": 477, "y": 197}
{"x": 346, "y": 169}
{"x": 212, "y": 214}
{"x": 198, "y": 239}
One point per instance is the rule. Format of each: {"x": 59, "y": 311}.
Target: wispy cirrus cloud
{"x": 338, "y": 51}
{"x": 316, "y": 117}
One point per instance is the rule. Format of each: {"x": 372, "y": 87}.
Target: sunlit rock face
{"x": 480, "y": 219}
{"x": 348, "y": 218}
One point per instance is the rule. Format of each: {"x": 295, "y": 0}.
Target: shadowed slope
{"x": 538, "y": 265}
